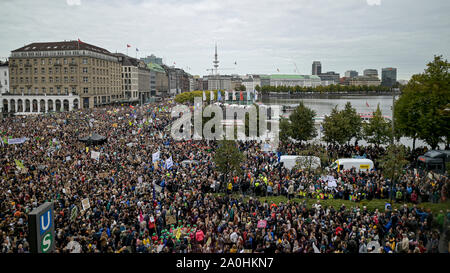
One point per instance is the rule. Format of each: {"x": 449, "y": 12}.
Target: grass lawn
{"x": 336, "y": 203}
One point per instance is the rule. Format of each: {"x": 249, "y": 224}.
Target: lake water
{"x": 323, "y": 105}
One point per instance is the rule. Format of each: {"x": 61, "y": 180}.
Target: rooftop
{"x": 58, "y": 46}
{"x": 293, "y": 77}
{"x": 155, "y": 67}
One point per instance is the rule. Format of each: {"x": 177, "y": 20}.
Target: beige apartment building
{"x": 61, "y": 76}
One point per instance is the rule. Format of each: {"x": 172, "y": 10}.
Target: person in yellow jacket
{"x": 230, "y": 187}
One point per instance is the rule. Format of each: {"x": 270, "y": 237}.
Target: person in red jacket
{"x": 199, "y": 236}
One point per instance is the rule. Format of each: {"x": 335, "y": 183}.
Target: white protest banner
{"x": 169, "y": 163}
{"x": 332, "y": 183}
{"x": 155, "y": 157}
{"x": 85, "y": 203}
{"x": 17, "y": 140}
{"x": 95, "y": 155}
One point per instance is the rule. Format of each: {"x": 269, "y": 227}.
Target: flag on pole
{"x": 211, "y": 95}
{"x": 256, "y": 95}
{"x": 226, "y": 96}
{"x": 234, "y": 95}
{"x": 241, "y": 96}
{"x": 219, "y": 96}
{"x": 204, "y": 95}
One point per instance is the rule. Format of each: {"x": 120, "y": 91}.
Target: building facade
{"x": 61, "y": 76}
{"x": 316, "y": 68}
{"x": 4, "y": 77}
{"x": 330, "y": 77}
{"x": 218, "y": 82}
{"x": 178, "y": 80}
{"x": 295, "y": 80}
{"x": 370, "y": 73}
{"x": 388, "y": 76}
{"x": 152, "y": 59}
{"x": 351, "y": 73}
{"x": 363, "y": 80}
{"x": 135, "y": 79}
{"x": 159, "y": 84}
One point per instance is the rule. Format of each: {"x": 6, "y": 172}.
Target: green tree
{"x": 393, "y": 163}
{"x": 302, "y": 123}
{"x": 354, "y": 122}
{"x": 257, "y": 88}
{"x": 228, "y": 158}
{"x": 407, "y": 116}
{"x": 285, "y": 130}
{"x": 335, "y": 127}
{"x": 429, "y": 92}
{"x": 378, "y": 131}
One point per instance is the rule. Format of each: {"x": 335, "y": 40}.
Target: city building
{"x": 4, "y": 77}
{"x": 61, "y": 76}
{"x": 135, "y": 79}
{"x": 363, "y": 80}
{"x": 236, "y": 82}
{"x": 265, "y": 80}
{"x": 152, "y": 59}
{"x": 159, "y": 82}
{"x": 316, "y": 68}
{"x": 370, "y": 72}
{"x": 178, "y": 80}
{"x": 351, "y": 73}
{"x": 218, "y": 82}
{"x": 295, "y": 80}
{"x": 330, "y": 77}
{"x": 251, "y": 81}
{"x": 388, "y": 76}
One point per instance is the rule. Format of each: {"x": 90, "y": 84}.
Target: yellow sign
{"x": 363, "y": 166}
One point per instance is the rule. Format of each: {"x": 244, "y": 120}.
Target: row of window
{"x": 85, "y": 70}
{"x": 58, "y": 90}
{"x": 26, "y": 80}
{"x": 50, "y": 61}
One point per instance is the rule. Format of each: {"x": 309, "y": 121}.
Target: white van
{"x": 361, "y": 164}
{"x": 289, "y": 161}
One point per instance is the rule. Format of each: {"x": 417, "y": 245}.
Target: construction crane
{"x": 296, "y": 69}
{"x": 214, "y": 69}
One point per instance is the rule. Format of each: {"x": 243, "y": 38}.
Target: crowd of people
{"x": 137, "y": 205}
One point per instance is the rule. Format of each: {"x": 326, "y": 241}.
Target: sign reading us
{"x": 42, "y": 229}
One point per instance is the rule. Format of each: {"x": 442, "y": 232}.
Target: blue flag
{"x": 219, "y": 96}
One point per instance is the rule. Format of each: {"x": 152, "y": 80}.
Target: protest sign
{"x": 262, "y": 223}
{"x": 17, "y": 140}
{"x": 95, "y": 155}
{"x": 155, "y": 156}
{"x": 85, "y": 203}
{"x": 169, "y": 163}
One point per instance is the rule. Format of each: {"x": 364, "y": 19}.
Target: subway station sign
{"x": 41, "y": 227}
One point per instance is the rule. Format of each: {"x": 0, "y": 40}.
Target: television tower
{"x": 216, "y": 61}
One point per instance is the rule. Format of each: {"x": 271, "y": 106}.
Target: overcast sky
{"x": 259, "y": 35}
